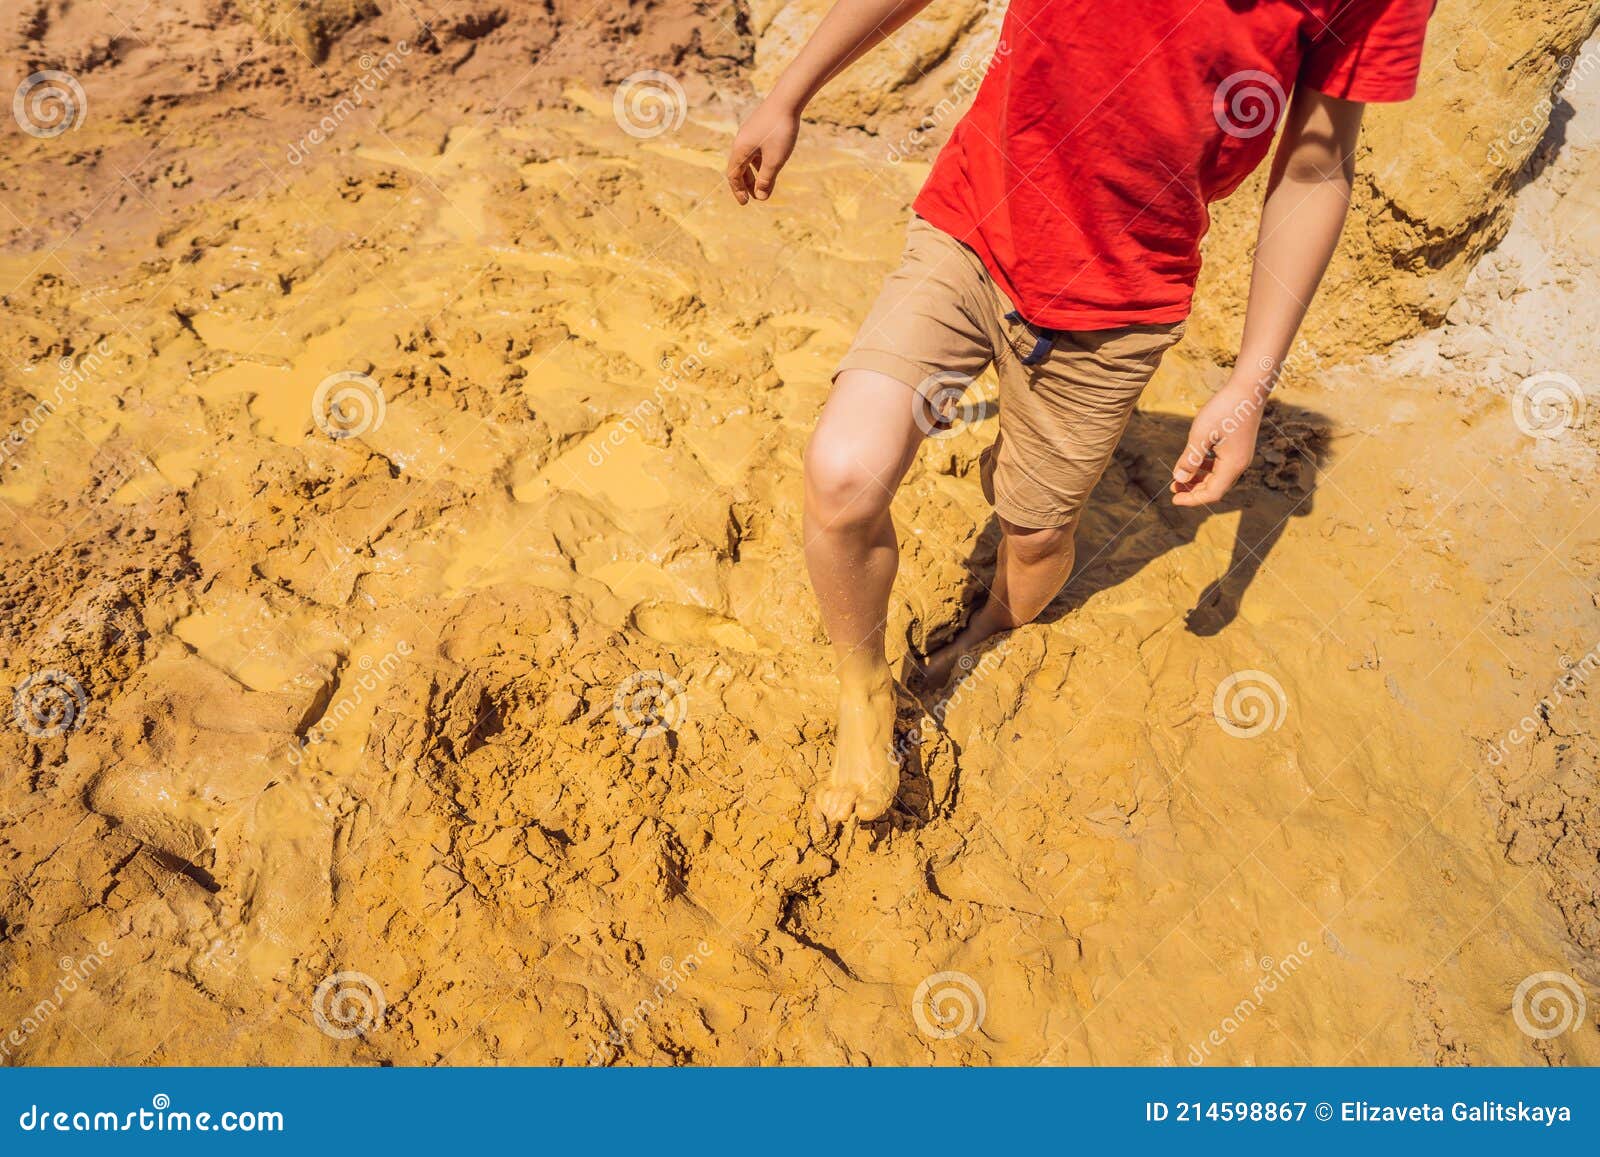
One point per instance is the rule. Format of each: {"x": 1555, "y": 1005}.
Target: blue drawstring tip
{"x": 1043, "y": 342}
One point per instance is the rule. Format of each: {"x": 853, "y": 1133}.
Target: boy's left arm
{"x": 1308, "y": 195}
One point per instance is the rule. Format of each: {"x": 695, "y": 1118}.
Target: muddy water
{"x": 493, "y": 691}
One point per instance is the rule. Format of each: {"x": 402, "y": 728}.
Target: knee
{"x": 841, "y": 488}
{"x": 1034, "y": 545}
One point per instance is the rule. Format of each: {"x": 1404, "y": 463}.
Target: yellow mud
{"x": 352, "y": 704}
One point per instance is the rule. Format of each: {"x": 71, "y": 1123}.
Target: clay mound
{"x": 1436, "y": 173}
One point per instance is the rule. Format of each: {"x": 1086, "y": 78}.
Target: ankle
{"x": 993, "y": 618}
{"x": 865, "y": 673}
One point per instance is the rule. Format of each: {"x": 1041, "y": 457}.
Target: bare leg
{"x": 863, "y": 445}
{"x": 1030, "y": 568}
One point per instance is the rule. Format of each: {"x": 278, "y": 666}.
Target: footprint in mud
{"x": 678, "y": 624}
{"x": 180, "y": 834}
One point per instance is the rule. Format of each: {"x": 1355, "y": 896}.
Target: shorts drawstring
{"x": 1044, "y": 340}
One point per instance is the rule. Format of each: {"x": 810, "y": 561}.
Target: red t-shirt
{"x": 1104, "y": 128}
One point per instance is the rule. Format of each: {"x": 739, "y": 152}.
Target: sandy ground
{"x": 414, "y": 662}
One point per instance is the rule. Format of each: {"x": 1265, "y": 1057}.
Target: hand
{"x": 760, "y": 149}
{"x": 1222, "y": 441}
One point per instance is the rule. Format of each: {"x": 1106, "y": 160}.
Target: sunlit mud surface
{"x": 473, "y": 701}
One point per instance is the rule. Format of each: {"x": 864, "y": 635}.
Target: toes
{"x": 835, "y": 804}
{"x": 877, "y": 797}
{"x": 868, "y": 809}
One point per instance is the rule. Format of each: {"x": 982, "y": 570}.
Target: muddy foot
{"x": 866, "y": 770}
{"x": 960, "y": 654}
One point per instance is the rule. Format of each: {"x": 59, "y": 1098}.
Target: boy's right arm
{"x": 764, "y": 141}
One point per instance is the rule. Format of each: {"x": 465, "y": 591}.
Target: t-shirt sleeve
{"x": 1369, "y": 50}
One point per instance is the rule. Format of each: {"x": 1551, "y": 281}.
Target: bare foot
{"x": 866, "y": 771}
{"x": 962, "y": 651}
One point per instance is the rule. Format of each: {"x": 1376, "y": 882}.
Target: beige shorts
{"x": 1065, "y": 396}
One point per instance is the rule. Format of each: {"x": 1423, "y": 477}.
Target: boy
{"x": 1058, "y": 236}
